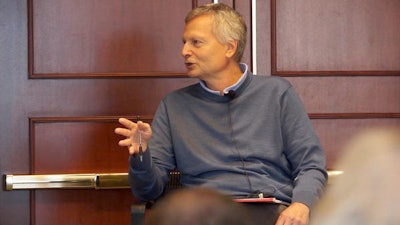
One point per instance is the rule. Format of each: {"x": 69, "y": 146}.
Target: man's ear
{"x": 231, "y": 48}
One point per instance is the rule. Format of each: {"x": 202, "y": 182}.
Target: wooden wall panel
{"x": 61, "y": 145}
{"x": 98, "y": 97}
{"x": 99, "y": 39}
{"x": 335, "y": 133}
{"x": 66, "y": 207}
{"x": 77, "y": 145}
{"x": 342, "y": 57}
{"x": 202, "y": 2}
{"x": 336, "y": 37}
{"x": 229, "y": 2}
{"x": 244, "y": 8}
{"x": 379, "y": 94}
{"x": 96, "y": 38}
{"x": 263, "y": 37}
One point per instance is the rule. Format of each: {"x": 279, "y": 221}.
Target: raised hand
{"x": 131, "y": 132}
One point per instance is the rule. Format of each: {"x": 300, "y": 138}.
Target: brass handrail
{"x": 67, "y": 181}
{"x": 91, "y": 180}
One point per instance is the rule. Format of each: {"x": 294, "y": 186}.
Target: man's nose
{"x": 185, "y": 51}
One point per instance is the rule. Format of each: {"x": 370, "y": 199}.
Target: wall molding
{"x": 67, "y": 75}
{"x": 286, "y": 73}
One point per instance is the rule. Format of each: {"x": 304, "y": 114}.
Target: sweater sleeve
{"x": 302, "y": 149}
{"x": 149, "y": 177}
{"x": 145, "y": 182}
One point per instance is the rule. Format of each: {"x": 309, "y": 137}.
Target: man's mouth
{"x": 188, "y": 64}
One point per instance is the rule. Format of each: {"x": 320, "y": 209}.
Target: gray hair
{"x": 228, "y": 24}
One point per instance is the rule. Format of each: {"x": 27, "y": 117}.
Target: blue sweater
{"x": 259, "y": 141}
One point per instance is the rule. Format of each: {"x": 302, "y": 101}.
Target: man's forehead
{"x": 198, "y": 27}
{"x": 206, "y": 19}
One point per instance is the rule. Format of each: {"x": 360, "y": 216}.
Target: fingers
{"x": 129, "y": 127}
{"x": 125, "y": 142}
{"x": 133, "y": 149}
{"x": 128, "y": 132}
{"x": 123, "y": 131}
{"x": 295, "y": 214}
{"x": 127, "y": 123}
{"x": 145, "y": 129}
{"x": 131, "y": 134}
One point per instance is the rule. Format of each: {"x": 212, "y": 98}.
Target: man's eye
{"x": 196, "y": 42}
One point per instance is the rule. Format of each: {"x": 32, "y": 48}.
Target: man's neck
{"x": 228, "y": 78}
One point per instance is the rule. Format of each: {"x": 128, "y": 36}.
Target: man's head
{"x": 228, "y": 24}
{"x": 213, "y": 42}
{"x": 197, "y": 206}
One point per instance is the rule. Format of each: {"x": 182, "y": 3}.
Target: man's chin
{"x": 192, "y": 74}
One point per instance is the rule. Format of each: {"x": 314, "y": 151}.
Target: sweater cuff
{"x": 139, "y": 165}
{"x": 305, "y": 197}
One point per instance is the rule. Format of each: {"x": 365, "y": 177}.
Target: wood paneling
{"x": 263, "y": 39}
{"x": 73, "y": 38}
{"x": 65, "y": 207}
{"x": 340, "y": 94}
{"x": 342, "y": 57}
{"x": 336, "y": 37}
{"x": 111, "y": 40}
{"x": 62, "y": 145}
{"x": 64, "y": 111}
{"x": 201, "y": 2}
{"x": 97, "y": 97}
{"x": 336, "y": 131}
{"x": 244, "y": 8}
{"x": 76, "y": 145}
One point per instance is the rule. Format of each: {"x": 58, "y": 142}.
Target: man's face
{"x": 205, "y": 57}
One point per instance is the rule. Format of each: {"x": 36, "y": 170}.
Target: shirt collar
{"x": 243, "y": 68}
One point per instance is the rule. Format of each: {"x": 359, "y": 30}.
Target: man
{"x": 244, "y": 135}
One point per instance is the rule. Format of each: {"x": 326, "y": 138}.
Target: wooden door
{"x": 69, "y": 69}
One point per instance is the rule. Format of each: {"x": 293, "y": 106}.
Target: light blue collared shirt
{"x": 243, "y": 68}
